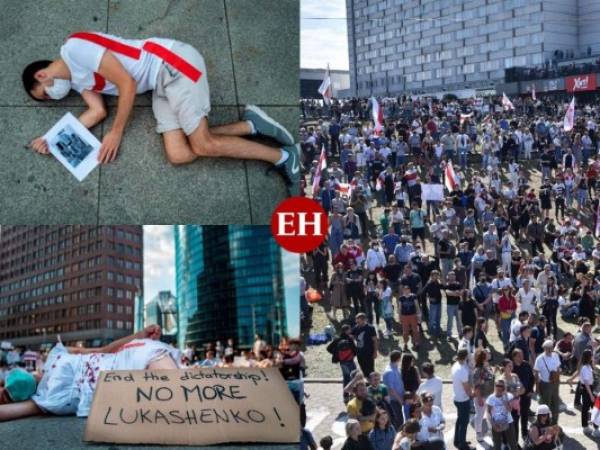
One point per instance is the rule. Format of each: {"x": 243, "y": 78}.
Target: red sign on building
{"x": 577, "y": 83}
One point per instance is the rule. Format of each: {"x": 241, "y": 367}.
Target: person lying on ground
{"x": 97, "y": 63}
{"x": 70, "y": 375}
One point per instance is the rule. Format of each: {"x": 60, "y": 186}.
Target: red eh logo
{"x": 299, "y": 224}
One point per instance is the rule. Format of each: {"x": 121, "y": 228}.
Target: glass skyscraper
{"x": 189, "y": 262}
{"x": 239, "y": 288}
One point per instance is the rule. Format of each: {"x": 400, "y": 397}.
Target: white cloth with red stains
{"x": 69, "y": 381}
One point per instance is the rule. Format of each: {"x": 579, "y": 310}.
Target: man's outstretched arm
{"x": 111, "y": 69}
{"x": 96, "y": 111}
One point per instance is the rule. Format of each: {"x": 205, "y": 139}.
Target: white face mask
{"x": 59, "y": 89}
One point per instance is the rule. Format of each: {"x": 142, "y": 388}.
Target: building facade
{"x": 437, "y": 46}
{"x": 162, "y": 311}
{"x": 189, "y": 262}
{"x": 311, "y": 79}
{"x": 75, "y": 281}
{"x": 240, "y": 287}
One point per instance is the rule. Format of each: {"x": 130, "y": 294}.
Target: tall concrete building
{"x": 74, "y": 280}
{"x": 438, "y": 46}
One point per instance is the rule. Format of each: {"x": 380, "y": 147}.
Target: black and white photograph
{"x": 72, "y": 146}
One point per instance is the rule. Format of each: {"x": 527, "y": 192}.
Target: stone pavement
{"x": 57, "y": 433}
{"x": 251, "y": 49}
{"x": 325, "y": 416}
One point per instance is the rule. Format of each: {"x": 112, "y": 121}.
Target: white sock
{"x": 284, "y": 157}
{"x": 252, "y": 127}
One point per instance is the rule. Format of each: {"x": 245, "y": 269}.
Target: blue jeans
{"x": 462, "y": 157}
{"x": 505, "y": 330}
{"x": 435, "y": 317}
{"x": 463, "y": 410}
{"x": 347, "y": 368}
{"x": 452, "y": 311}
{"x": 389, "y": 323}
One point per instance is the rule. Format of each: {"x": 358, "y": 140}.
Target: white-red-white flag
{"x": 320, "y": 167}
{"x": 377, "y": 112}
{"x": 450, "y": 178}
{"x": 569, "y": 120}
{"x": 598, "y": 221}
{"x": 533, "y": 92}
{"x": 325, "y": 88}
{"x": 506, "y": 103}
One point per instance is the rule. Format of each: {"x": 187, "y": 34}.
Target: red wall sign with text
{"x": 577, "y": 83}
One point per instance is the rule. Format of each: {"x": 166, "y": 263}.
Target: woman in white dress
{"x": 70, "y": 374}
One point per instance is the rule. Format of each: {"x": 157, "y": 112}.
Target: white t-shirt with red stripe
{"x": 83, "y": 59}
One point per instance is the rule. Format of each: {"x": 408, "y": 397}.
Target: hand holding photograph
{"x": 74, "y": 146}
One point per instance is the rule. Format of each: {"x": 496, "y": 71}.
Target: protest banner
{"x": 432, "y": 192}
{"x": 195, "y": 406}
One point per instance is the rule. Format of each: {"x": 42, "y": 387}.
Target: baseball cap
{"x": 542, "y": 409}
{"x": 548, "y": 343}
{"x": 20, "y": 385}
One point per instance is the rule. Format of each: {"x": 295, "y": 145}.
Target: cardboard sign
{"x": 196, "y": 406}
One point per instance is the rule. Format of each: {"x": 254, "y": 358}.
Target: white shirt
{"x": 432, "y": 421}
{"x": 586, "y": 375}
{"x": 460, "y": 375}
{"x": 375, "y": 259}
{"x": 83, "y": 59}
{"x": 527, "y": 300}
{"x": 544, "y": 364}
{"x": 434, "y": 386}
{"x": 499, "y": 409}
{"x": 515, "y": 329}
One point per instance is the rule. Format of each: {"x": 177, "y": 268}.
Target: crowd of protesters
{"x": 508, "y": 249}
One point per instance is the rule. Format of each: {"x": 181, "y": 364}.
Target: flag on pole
{"x": 570, "y": 116}
{"x": 598, "y": 221}
{"x": 450, "y": 179}
{"x": 320, "y": 167}
{"x": 533, "y": 92}
{"x": 506, "y": 103}
{"x": 377, "y": 112}
{"x": 325, "y": 88}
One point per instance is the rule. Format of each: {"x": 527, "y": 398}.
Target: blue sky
{"x": 159, "y": 271}
{"x": 323, "y": 41}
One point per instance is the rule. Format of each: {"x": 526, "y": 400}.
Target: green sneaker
{"x": 290, "y": 169}
{"x": 267, "y": 126}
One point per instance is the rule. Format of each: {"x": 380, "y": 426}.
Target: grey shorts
{"x": 178, "y": 102}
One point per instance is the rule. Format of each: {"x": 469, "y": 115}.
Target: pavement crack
{"x": 167, "y": 12}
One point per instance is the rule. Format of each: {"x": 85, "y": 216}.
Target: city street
{"x": 326, "y": 416}
{"x": 245, "y": 65}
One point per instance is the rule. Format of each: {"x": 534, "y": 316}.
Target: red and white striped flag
{"x": 569, "y": 120}
{"x": 377, "y": 116}
{"x": 533, "y": 92}
{"x": 506, "y": 103}
{"x": 322, "y": 166}
{"x": 325, "y": 88}
{"x": 346, "y": 188}
{"x": 450, "y": 178}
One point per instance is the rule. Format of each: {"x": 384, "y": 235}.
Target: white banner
{"x": 432, "y": 192}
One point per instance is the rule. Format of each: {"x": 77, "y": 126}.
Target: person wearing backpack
{"x": 343, "y": 351}
{"x": 499, "y": 411}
